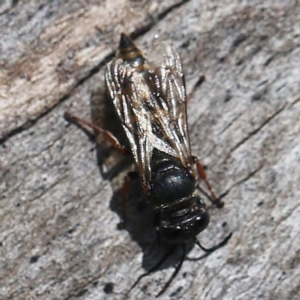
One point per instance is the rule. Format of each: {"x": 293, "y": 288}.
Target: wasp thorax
{"x": 170, "y": 182}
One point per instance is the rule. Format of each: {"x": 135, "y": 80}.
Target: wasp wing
{"x": 151, "y": 105}
{"x": 171, "y": 100}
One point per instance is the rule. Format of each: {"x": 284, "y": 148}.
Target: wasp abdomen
{"x": 128, "y": 51}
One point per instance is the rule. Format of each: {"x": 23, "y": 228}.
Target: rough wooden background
{"x": 59, "y": 211}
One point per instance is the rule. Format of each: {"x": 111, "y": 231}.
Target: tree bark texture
{"x": 60, "y": 187}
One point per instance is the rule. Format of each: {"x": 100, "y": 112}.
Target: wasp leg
{"x": 203, "y": 176}
{"x": 154, "y": 268}
{"x": 212, "y": 249}
{"x": 128, "y": 178}
{"x": 177, "y": 269}
{"x": 108, "y": 135}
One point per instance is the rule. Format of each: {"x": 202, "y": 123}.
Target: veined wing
{"x": 151, "y": 104}
{"x": 171, "y": 100}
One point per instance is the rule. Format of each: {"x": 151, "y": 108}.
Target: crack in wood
{"x": 243, "y": 180}
{"x": 253, "y": 132}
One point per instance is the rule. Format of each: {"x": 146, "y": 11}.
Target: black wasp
{"x": 150, "y": 100}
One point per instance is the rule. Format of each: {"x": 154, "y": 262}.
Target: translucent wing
{"x": 172, "y": 100}
{"x": 151, "y": 104}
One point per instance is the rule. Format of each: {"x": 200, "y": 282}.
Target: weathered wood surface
{"x": 59, "y": 215}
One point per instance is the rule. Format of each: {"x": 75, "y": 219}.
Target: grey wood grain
{"x": 60, "y": 205}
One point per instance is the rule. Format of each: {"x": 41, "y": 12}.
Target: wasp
{"x": 151, "y": 102}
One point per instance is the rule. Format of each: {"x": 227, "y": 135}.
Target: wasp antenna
{"x": 177, "y": 269}
{"x": 212, "y": 249}
{"x": 157, "y": 266}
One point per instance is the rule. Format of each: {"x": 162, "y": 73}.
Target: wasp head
{"x": 185, "y": 222}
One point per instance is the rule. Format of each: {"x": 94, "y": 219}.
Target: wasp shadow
{"x": 103, "y": 114}
{"x": 140, "y": 215}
